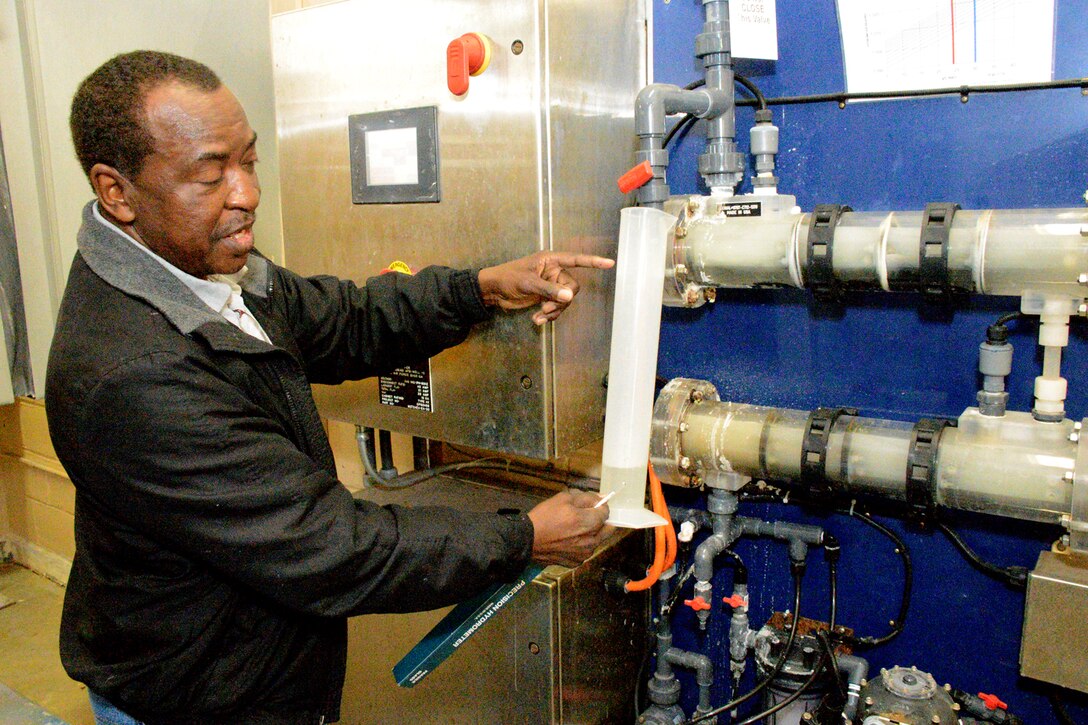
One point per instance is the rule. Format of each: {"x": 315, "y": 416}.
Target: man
{"x": 217, "y": 556}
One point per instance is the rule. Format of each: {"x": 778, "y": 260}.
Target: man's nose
{"x": 245, "y": 190}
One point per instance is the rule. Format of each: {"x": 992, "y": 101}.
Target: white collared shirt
{"x": 220, "y": 292}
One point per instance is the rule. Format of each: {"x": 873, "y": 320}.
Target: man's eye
{"x": 210, "y": 182}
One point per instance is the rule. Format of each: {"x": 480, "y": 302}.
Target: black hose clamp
{"x": 814, "y": 448}
{"x": 921, "y": 474}
{"x": 933, "y": 278}
{"x": 819, "y": 269}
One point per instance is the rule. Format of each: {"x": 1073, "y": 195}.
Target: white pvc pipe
{"x": 632, "y": 367}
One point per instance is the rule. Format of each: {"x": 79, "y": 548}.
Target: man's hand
{"x": 539, "y": 278}
{"x": 567, "y": 528}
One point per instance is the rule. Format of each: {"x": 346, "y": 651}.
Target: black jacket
{"x": 217, "y": 556}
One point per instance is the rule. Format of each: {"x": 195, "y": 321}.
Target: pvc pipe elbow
{"x": 705, "y": 554}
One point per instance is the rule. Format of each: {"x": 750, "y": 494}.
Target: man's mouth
{"x": 242, "y": 237}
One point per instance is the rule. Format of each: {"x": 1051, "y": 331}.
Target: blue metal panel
{"x": 884, "y": 354}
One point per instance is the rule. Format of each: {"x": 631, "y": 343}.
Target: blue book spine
{"x": 456, "y": 627}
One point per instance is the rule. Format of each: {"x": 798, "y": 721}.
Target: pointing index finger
{"x": 569, "y": 259}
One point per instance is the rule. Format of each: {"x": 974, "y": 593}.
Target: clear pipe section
{"x": 632, "y": 366}
{"x": 1012, "y": 465}
{"x": 993, "y": 251}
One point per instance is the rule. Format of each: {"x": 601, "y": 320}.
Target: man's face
{"x": 195, "y": 198}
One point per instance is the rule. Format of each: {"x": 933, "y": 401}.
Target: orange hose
{"x": 664, "y": 538}
{"x": 670, "y": 532}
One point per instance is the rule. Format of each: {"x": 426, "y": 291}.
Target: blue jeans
{"x": 105, "y": 713}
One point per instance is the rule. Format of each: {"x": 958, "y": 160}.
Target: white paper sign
{"x": 913, "y": 44}
{"x": 753, "y": 29}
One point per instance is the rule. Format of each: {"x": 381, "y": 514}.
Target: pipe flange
{"x": 1078, "y": 505}
{"x": 668, "y": 427}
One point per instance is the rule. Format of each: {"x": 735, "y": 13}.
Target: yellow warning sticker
{"x": 399, "y": 266}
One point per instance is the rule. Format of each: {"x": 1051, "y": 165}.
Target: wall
{"x": 37, "y": 501}
{"x": 46, "y": 48}
{"x": 885, "y": 354}
{"x": 49, "y": 46}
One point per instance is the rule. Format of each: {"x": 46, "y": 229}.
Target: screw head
{"x": 680, "y": 269}
{"x": 684, "y": 427}
{"x": 696, "y": 396}
{"x": 534, "y": 648}
{"x": 869, "y": 701}
{"x": 936, "y": 719}
{"x": 685, "y": 463}
{"x": 526, "y": 382}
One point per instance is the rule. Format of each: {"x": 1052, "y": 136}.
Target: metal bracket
{"x": 814, "y": 448}
{"x": 933, "y": 279}
{"x": 922, "y": 467}
{"x": 819, "y": 270}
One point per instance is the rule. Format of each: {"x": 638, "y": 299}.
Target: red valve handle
{"x": 466, "y": 56}
{"x": 636, "y": 177}
{"x": 992, "y": 701}
{"x": 735, "y": 601}
{"x": 698, "y": 603}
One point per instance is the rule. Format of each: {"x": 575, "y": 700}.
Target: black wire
{"x": 832, "y": 576}
{"x": 825, "y": 642}
{"x": 1005, "y": 319}
{"x": 666, "y": 607}
{"x": 681, "y": 128}
{"x": 761, "y": 100}
{"x": 1059, "y": 709}
{"x": 963, "y": 91}
{"x": 908, "y": 579}
{"x": 542, "y": 474}
{"x": 1014, "y": 576}
{"x": 762, "y": 685}
{"x": 414, "y": 478}
{"x": 688, "y": 120}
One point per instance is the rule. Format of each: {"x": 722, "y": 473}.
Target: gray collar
{"x": 135, "y": 272}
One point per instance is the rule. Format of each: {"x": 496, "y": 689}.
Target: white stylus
{"x": 604, "y": 499}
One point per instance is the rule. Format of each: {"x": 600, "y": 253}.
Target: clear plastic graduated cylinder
{"x": 632, "y": 367}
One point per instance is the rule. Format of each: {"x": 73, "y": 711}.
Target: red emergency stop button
{"x": 466, "y": 56}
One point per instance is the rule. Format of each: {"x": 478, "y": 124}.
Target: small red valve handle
{"x": 466, "y": 56}
{"x": 992, "y": 701}
{"x": 698, "y": 603}
{"x": 636, "y": 177}
{"x": 735, "y": 601}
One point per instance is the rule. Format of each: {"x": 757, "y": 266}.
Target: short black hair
{"x": 107, "y": 118}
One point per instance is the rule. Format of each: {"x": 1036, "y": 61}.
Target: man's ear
{"x": 112, "y": 189}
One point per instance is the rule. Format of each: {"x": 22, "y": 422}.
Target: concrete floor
{"x": 29, "y": 660}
